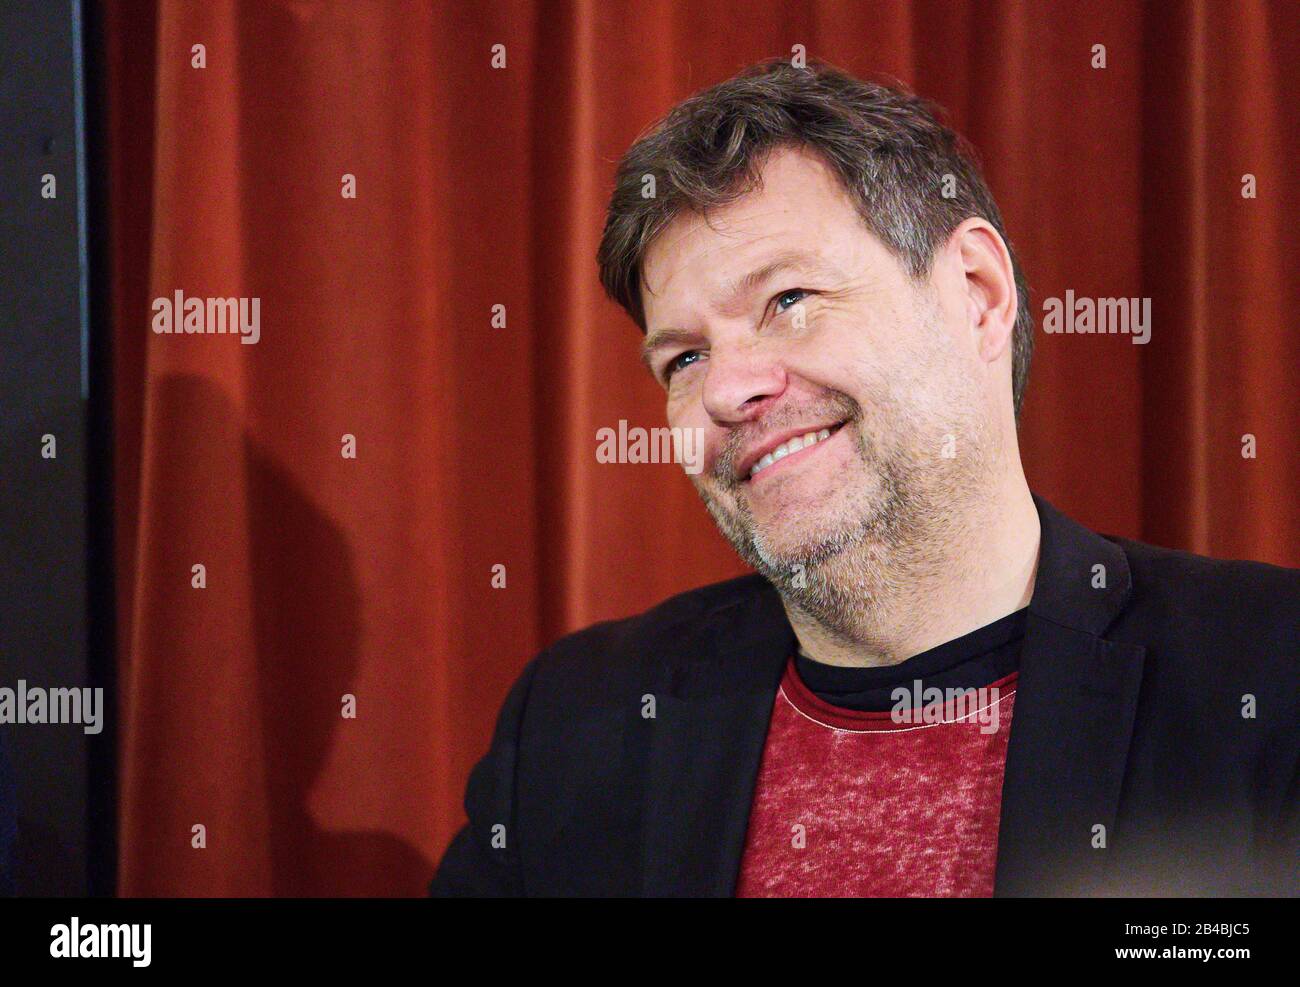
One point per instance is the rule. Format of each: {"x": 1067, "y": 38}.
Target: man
{"x": 936, "y": 684}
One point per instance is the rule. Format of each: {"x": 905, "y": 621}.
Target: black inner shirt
{"x": 972, "y": 661}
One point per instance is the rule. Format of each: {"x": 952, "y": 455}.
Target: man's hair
{"x": 887, "y": 146}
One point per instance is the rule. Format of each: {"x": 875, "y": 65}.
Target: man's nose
{"x": 740, "y": 381}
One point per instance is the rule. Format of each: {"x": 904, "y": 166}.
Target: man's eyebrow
{"x": 664, "y": 337}
{"x": 782, "y": 261}
{"x": 732, "y": 293}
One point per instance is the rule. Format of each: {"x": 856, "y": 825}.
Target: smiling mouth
{"x": 790, "y": 447}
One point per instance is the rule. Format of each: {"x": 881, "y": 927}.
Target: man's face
{"x": 838, "y": 398}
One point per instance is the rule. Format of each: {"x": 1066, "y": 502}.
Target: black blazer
{"x": 8, "y": 824}
{"x": 1131, "y": 768}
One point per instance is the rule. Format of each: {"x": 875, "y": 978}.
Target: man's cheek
{"x": 704, "y": 448}
{"x": 708, "y": 486}
{"x": 689, "y": 448}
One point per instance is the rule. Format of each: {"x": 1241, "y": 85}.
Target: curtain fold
{"x": 449, "y": 322}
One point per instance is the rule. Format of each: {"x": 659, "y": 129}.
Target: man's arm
{"x": 482, "y": 861}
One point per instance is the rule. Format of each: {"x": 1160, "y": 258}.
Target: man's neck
{"x": 982, "y": 568}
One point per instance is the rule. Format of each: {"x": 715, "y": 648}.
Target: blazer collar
{"x": 1069, "y": 588}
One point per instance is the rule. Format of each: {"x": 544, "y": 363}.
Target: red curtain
{"x": 478, "y": 187}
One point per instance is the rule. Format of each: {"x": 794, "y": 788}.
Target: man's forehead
{"x": 713, "y": 256}
{"x": 788, "y": 214}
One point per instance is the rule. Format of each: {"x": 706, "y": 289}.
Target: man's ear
{"x": 990, "y": 285}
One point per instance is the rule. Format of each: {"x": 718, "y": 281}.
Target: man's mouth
{"x": 790, "y": 447}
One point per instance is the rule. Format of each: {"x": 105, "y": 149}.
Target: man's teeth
{"x": 783, "y": 450}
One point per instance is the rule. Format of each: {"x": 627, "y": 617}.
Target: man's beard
{"x": 889, "y": 531}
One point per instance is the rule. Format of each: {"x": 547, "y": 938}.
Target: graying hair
{"x": 887, "y": 146}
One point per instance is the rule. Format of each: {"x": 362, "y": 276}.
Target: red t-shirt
{"x": 878, "y": 804}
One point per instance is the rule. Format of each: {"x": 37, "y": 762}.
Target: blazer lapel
{"x": 712, "y": 713}
{"x": 1076, "y": 699}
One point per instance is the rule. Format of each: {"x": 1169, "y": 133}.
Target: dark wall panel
{"x": 43, "y": 391}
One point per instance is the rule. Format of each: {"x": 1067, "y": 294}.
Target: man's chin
{"x": 780, "y": 545}
{"x": 795, "y": 552}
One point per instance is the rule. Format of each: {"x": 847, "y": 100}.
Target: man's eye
{"x": 680, "y": 362}
{"x": 787, "y": 298}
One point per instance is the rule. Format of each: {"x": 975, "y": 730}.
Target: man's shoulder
{"x": 1213, "y": 619}
{"x": 1198, "y": 587}
{"x": 668, "y": 626}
